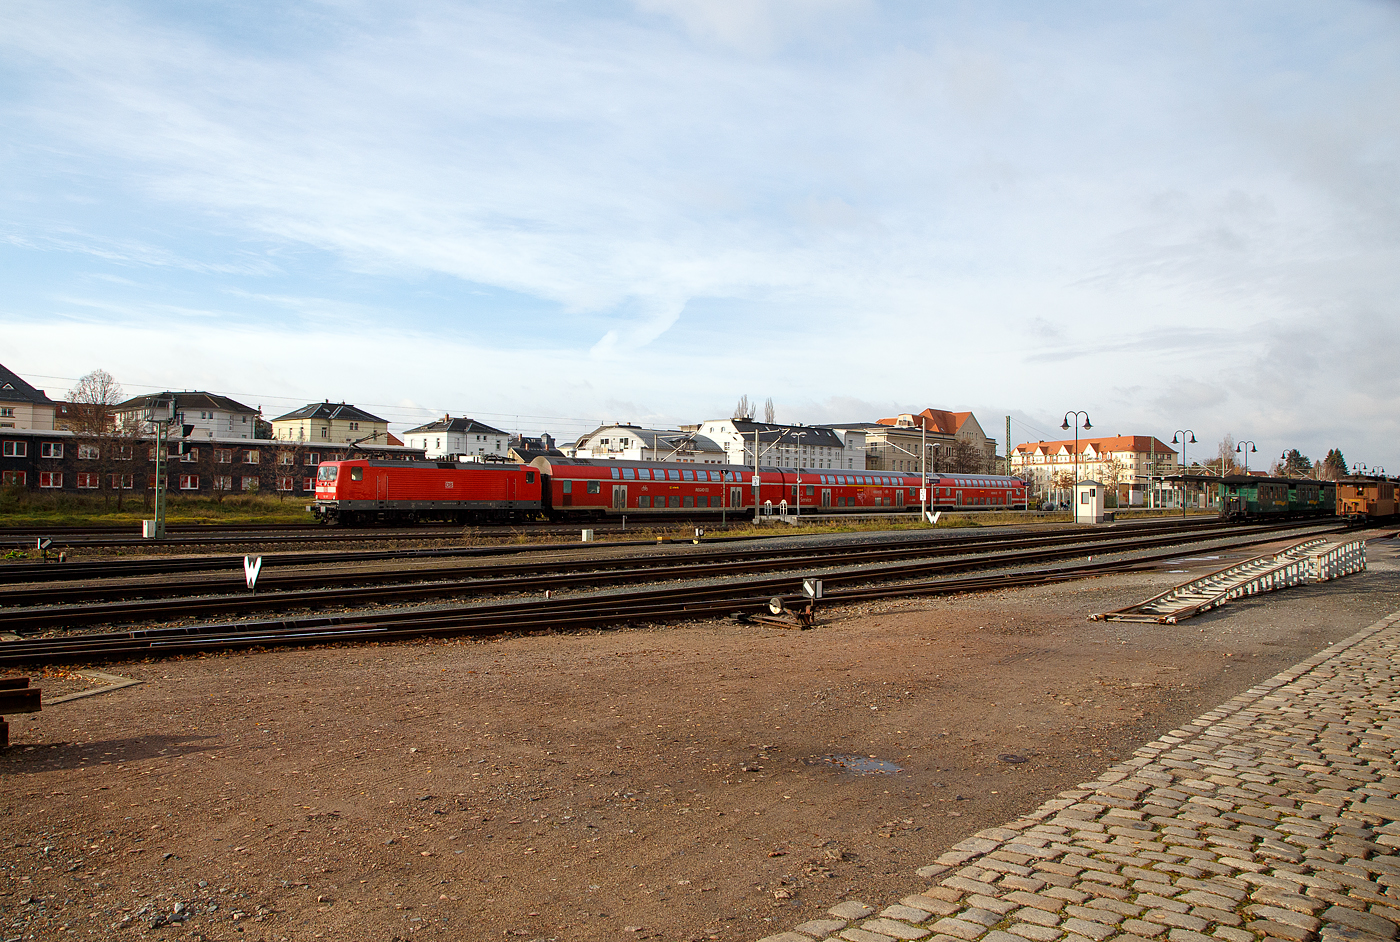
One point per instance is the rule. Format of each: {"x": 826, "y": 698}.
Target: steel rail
{"x": 846, "y": 574}
{"x": 309, "y": 588}
{"x": 15, "y": 573}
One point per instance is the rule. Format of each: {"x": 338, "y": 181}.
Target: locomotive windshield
{"x": 326, "y": 472}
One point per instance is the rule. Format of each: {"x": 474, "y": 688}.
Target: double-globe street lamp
{"x": 1239, "y": 449}
{"x": 1179, "y": 438}
{"x": 1065, "y": 425}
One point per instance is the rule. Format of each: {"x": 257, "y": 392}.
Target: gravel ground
{"x": 704, "y": 781}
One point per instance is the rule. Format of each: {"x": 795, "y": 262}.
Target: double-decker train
{"x": 363, "y": 491}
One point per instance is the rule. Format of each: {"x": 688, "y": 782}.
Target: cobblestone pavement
{"x": 1274, "y": 816}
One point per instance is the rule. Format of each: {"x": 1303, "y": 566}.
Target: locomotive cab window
{"x": 326, "y": 473}
{"x": 357, "y": 474}
{"x": 529, "y": 477}
{"x": 595, "y": 487}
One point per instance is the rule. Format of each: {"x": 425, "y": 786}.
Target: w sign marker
{"x": 252, "y": 565}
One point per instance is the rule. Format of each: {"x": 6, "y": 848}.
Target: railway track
{"x": 137, "y": 567}
{"x": 215, "y": 535}
{"x": 106, "y": 599}
{"x": 735, "y": 593}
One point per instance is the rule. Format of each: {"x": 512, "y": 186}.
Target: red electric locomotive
{"x": 364, "y": 491}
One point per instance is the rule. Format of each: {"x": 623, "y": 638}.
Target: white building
{"x": 208, "y": 415}
{"x": 330, "y": 422}
{"x": 459, "y": 437}
{"x": 787, "y": 446}
{"x": 1128, "y": 465}
{"x": 23, "y": 406}
{"x": 627, "y": 442}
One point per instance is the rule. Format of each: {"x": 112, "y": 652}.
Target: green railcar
{"x": 1264, "y": 498}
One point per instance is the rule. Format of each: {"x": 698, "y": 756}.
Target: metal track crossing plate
{"x": 1315, "y": 560}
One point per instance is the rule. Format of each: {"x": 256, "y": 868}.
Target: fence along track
{"x": 1309, "y": 561}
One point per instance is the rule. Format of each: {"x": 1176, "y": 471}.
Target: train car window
{"x": 529, "y": 477}
{"x": 644, "y": 474}
{"x": 644, "y": 501}
{"x": 688, "y": 475}
{"x": 690, "y": 501}
{"x": 357, "y": 474}
{"x": 673, "y": 475}
{"x": 675, "y": 502}
{"x": 615, "y": 474}
{"x": 566, "y": 487}
{"x": 596, "y": 487}
{"x": 810, "y": 490}
{"x": 628, "y": 474}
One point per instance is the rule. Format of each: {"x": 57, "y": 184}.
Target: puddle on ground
{"x": 862, "y": 765}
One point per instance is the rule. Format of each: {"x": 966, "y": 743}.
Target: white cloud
{"x": 847, "y": 202}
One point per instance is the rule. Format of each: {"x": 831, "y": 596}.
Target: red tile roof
{"x": 935, "y": 420}
{"x": 1116, "y": 443}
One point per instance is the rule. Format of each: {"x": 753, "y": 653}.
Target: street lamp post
{"x": 1065, "y": 426}
{"x": 1239, "y": 450}
{"x": 1179, "y": 438}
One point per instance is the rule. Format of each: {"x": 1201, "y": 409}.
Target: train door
{"x": 619, "y": 497}
{"x": 381, "y": 486}
{"x": 736, "y": 497}
{"x": 826, "y": 497}
{"x": 899, "y": 497}
{"x": 957, "y": 499}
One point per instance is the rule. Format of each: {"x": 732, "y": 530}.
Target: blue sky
{"x": 549, "y": 215}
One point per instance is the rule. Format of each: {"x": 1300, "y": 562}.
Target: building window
{"x": 121, "y": 452}
{"x": 250, "y": 483}
{"x": 308, "y": 484}
{"x": 123, "y": 481}
{"x": 12, "y": 477}
{"x": 223, "y": 483}
{"x": 189, "y": 482}
{"x": 87, "y": 453}
{"x": 191, "y": 456}
{"x": 325, "y": 432}
{"x": 286, "y": 458}
{"x": 223, "y": 455}
{"x": 51, "y": 449}
{"x": 88, "y": 480}
{"x": 14, "y": 449}
{"x": 7, "y": 412}
{"x": 285, "y": 482}
{"x": 354, "y": 426}
{"x": 313, "y": 458}
{"x": 50, "y": 478}
{"x": 252, "y": 456}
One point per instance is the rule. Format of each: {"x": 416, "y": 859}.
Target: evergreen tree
{"x": 1296, "y": 464}
{"x": 1334, "y": 466}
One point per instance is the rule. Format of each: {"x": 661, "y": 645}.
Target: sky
{"x": 1173, "y": 216}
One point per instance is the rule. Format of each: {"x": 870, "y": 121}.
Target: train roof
{"x": 454, "y": 465}
{"x": 1237, "y": 480}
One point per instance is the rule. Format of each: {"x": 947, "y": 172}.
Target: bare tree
{"x": 93, "y": 400}
{"x": 770, "y": 412}
{"x": 104, "y": 448}
{"x": 1227, "y": 455}
{"x": 743, "y": 409}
